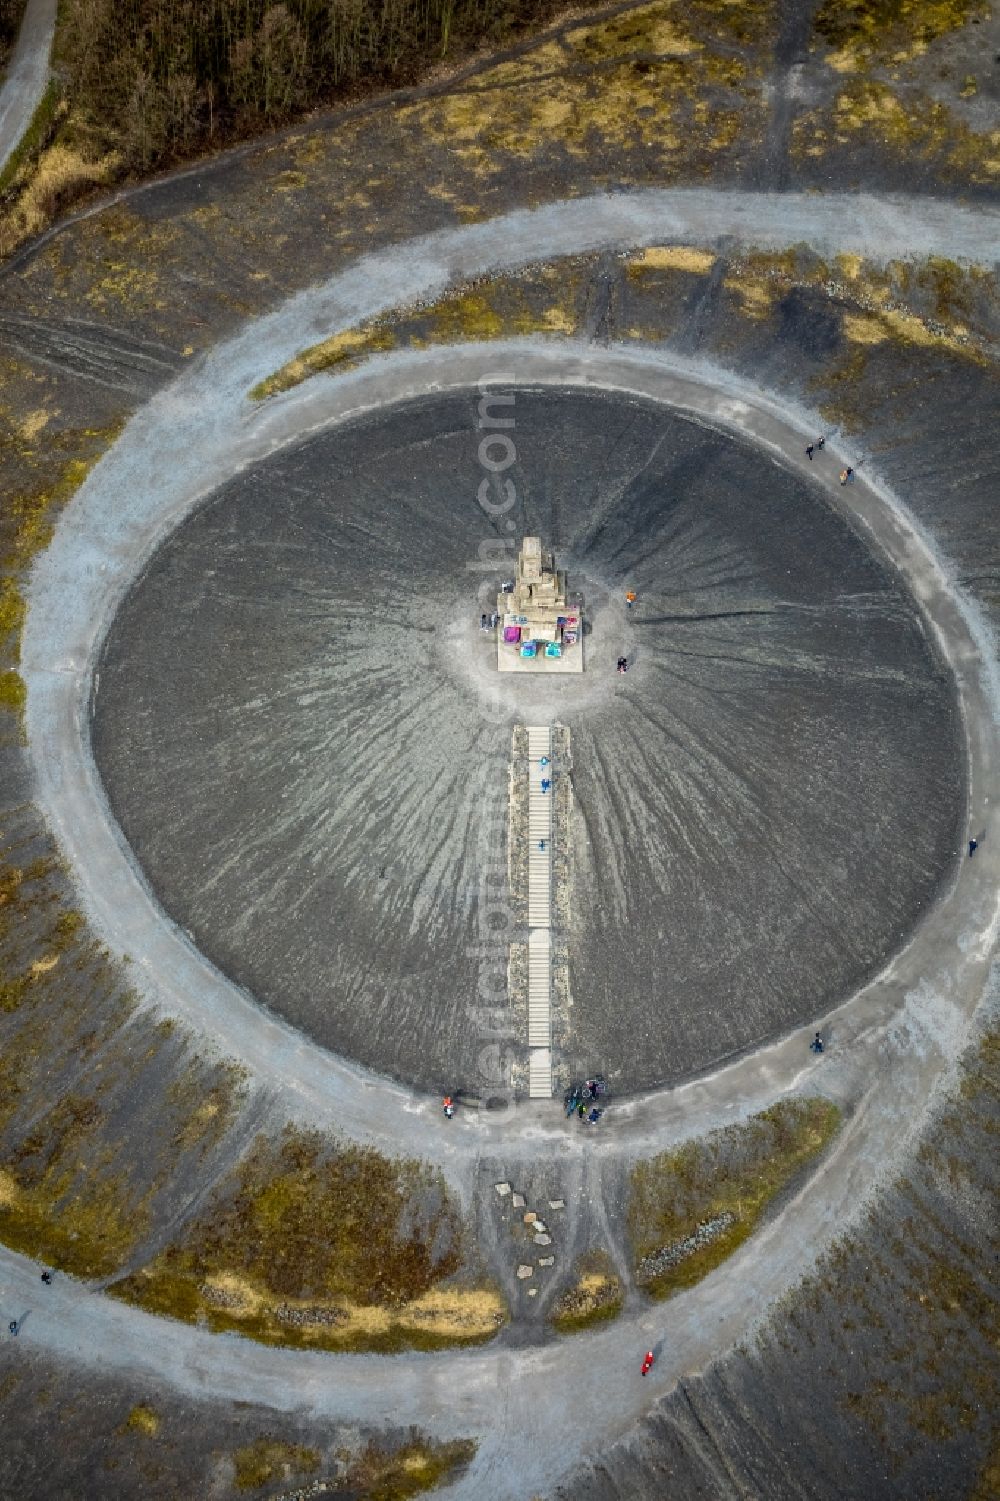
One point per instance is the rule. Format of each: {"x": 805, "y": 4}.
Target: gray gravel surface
{"x": 892, "y": 1044}
{"x": 290, "y": 724}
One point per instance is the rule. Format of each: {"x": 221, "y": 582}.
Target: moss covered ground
{"x": 731, "y": 1177}
{"x": 327, "y": 1246}
{"x": 595, "y": 1296}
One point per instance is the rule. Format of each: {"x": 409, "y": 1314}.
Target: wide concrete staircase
{"x": 539, "y": 912}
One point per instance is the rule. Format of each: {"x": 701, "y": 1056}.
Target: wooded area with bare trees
{"x": 168, "y": 78}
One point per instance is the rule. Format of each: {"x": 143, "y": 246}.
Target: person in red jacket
{"x": 647, "y": 1364}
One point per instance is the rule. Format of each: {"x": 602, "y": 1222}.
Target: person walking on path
{"x": 46, "y": 1278}
{"x": 973, "y": 846}
{"x": 12, "y": 1326}
{"x": 846, "y": 474}
{"x": 816, "y": 1046}
{"x": 630, "y": 599}
{"x": 809, "y": 451}
{"x": 820, "y": 442}
{"x": 647, "y": 1364}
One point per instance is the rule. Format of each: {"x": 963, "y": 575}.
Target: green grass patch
{"x": 547, "y": 302}
{"x": 36, "y": 137}
{"x": 87, "y": 1231}
{"x": 892, "y": 29}
{"x": 142, "y": 1419}
{"x": 341, "y": 352}
{"x": 417, "y": 1467}
{"x": 315, "y": 1245}
{"x": 729, "y": 1178}
{"x": 595, "y": 1298}
{"x": 12, "y": 693}
{"x": 269, "y": 1459}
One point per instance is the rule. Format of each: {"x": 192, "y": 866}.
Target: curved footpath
{"x": 27, "y": 74}
{"x": 890, "y": 1044}
{"x": 134, "y": 498}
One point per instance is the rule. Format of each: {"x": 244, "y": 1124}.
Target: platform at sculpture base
{"x": 512, "y": 661}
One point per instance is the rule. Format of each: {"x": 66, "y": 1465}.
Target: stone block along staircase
{"x": 539, "y": 913}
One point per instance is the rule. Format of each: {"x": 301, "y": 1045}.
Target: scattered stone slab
{"x": 543, "y": 1240}
{"x": 502, "y": 1188}
{"x": 532, "y": 1292}
{"x": 530, "y": 1217}
{"x": 540, "y": 1227}
{"x": 525, "y": 1271}
{"x": 518, "y": 1201}
{"x": 546, "y": 1260}
{"x": 557, "y": 1203}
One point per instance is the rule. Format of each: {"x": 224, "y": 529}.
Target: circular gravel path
{"x": 893, "y": 1041}
{"x": 100, "y": 545}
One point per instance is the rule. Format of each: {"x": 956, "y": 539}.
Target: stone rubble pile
{"x": 668, "y": 1256}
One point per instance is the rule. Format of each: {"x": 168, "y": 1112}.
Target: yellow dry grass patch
{"x": 866, "y": 31}
{"x": 340, "y": 351}
{"x": 33, "y": 424}
{"x": 756, "y": 296}
{"x": 549, "y": 58}
{"x": 143, "y": 1419}
{"x": 656, "y": 33}
{"x": 206, "y": 1112}
{"x": 447, "y": 1313}
{"x": 908, "y": 126}
{"x": 595, "y": 1297}
{"x": 862, "y": 329}
{"x": 913, "y": 330}
{"x": 42, "y": 966}
{"x": 845, "y": 60}
{"x": 621, "y": 82}
{"x": 889, "y": 323}
{"x": 672, "y": 258}
{"x": 455, "y": 1311}
{"x": 461, "y": 316}
{"x": 62, "y": 174}
{"x": 9, "y": 1190}
{"x": 558, "y": 320}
